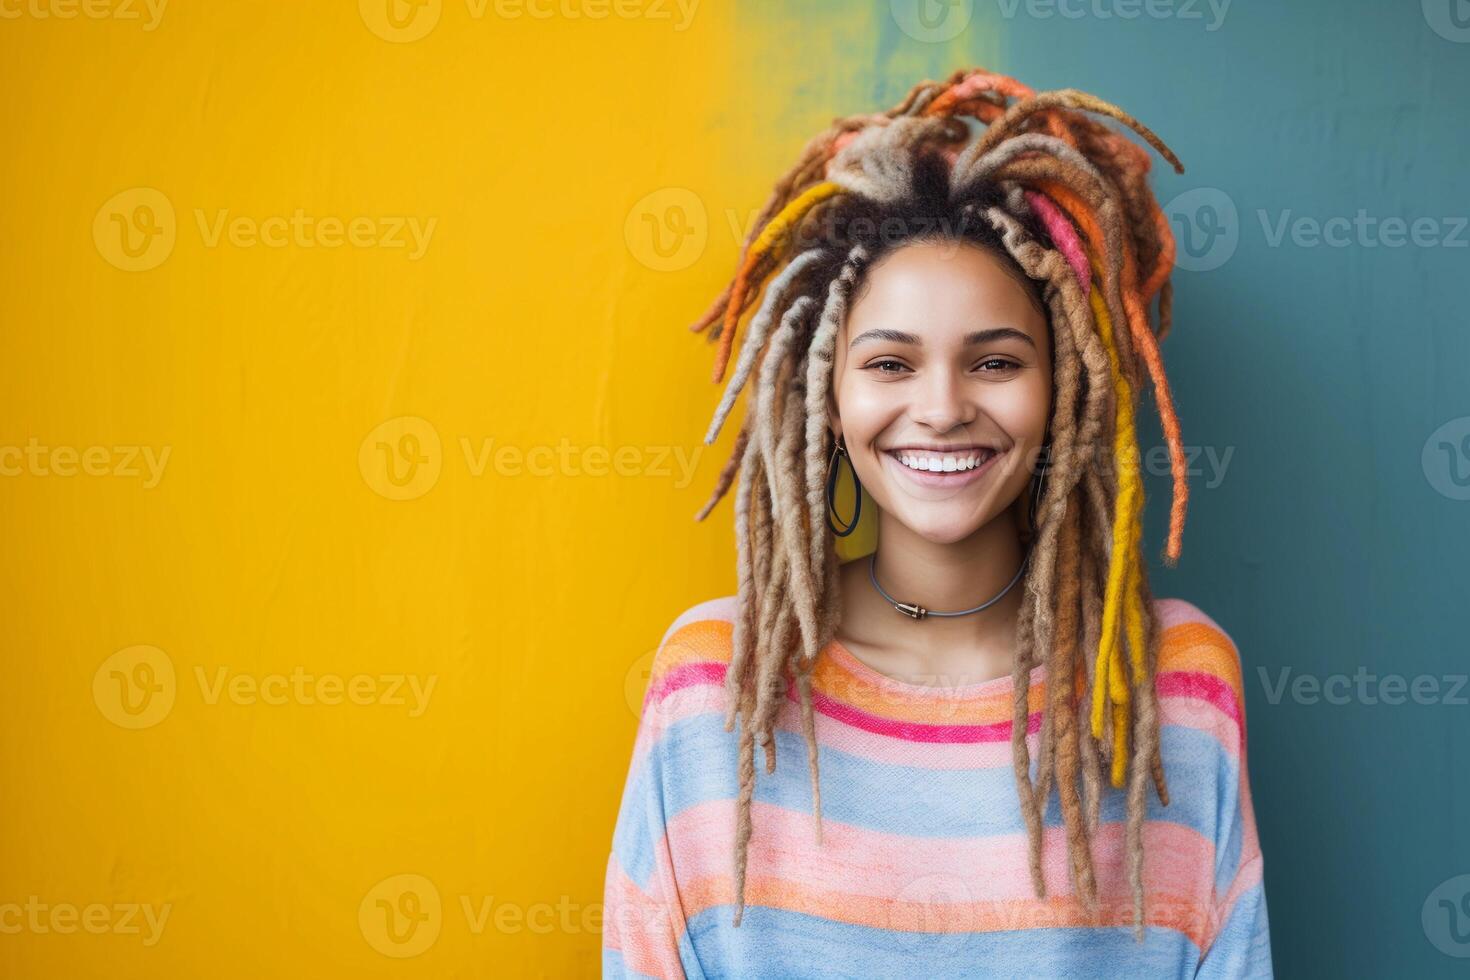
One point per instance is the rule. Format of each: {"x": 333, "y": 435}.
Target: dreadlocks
{"x": 1064, "y": 200}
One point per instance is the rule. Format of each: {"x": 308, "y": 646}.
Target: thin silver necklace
{"x": 916, "y": 611}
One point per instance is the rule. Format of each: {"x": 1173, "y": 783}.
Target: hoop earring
{"x": 1038, "y": 484}
{"x": 840, "y": 449}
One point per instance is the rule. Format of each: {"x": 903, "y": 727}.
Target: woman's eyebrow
{"x": 998, "y": 333}
{"x": 896, "y": 336}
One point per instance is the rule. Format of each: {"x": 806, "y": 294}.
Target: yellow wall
{"x": 258, "y": 682}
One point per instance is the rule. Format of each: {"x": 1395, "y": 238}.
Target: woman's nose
{"x": 940, "y": 402}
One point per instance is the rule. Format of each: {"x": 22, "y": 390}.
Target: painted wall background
{"x": 350, "y": 439}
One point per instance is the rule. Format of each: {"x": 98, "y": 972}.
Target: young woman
{"x": 988, "y": 751}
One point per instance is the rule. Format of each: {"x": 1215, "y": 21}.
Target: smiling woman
{"x": 921, "y": 406}
{"x": 963, "y": 321}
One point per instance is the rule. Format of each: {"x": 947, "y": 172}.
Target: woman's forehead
{"x": 944, "y": 290}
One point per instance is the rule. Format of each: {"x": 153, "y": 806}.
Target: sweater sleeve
{"x": 1241, "y": 945}
{"x": 643, "y": 922}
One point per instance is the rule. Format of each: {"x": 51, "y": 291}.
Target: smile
{"x": 928, "y": 468}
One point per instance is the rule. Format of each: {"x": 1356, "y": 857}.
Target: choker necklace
{"x": 915, "y": 611}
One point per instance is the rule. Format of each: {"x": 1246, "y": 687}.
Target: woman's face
{"x": 942, "y": 387}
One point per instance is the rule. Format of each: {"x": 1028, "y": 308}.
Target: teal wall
{"x": 1331, "y": 382}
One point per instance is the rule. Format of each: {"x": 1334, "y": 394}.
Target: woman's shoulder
{"x": 1175, "y": 611}
{"x": 710, "y": 616}
{"x": 1198, "y": 663}
{"x": 695, "y": 648}
{"x": 1189, "y": 635}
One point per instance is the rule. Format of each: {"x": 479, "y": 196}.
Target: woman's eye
{"x": 998, "y": 364}
{"x": 889, "y": 366}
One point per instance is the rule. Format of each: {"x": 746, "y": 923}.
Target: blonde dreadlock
{"x": 1066, "y": 198}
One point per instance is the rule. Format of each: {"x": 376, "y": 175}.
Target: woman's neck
{"x": 945, "y": 650}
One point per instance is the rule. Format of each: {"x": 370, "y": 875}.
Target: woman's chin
{"x": 941, "y": 528}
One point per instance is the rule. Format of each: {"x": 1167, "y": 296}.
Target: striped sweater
{"x": 922, "y": 869}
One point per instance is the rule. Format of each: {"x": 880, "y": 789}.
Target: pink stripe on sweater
{"x": 682, "y": 676}
{"x": 714, "y": 673}
{"x": 1193, "y": 684}
{"x": 913, "y": 731}
{"x": 1182, "y": 705}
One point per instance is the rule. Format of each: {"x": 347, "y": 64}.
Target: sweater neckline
{"x": 848, "y": 662}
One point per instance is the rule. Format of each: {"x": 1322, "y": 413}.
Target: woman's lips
{"x": 949, "y": 481}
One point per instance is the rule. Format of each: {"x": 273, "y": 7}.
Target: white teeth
{"x": 944, "y": 464}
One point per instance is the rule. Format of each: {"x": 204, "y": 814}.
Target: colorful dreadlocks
{"x": 1067, "y": 199}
